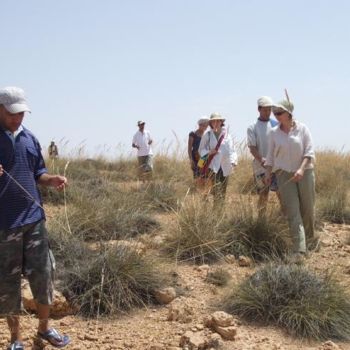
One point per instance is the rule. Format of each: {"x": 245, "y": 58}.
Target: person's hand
{"x": 267, "y": 179}
{"x": 1, "y": 170}
{"x": 262, "y": 162}
{"x": 59, "y": 182}
{"x": 213, "y": 152}
{"x": 299, "y": 174}
{"x": 192, "y": 164}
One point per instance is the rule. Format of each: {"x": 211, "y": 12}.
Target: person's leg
{"x": 11, "y": 256}
{"x": 43, "y": 316}
{"x": 38, "y": 268}
{"x": 262, "y": 201}
{"x": 290, "y": 201}
{"x": 14, "y": 327}
{"x": 306, "y": 188}
{"x": 219, "y": 189}
{"x": 263, "y": 193}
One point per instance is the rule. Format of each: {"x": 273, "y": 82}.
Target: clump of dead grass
{"x": 305, "y": 304}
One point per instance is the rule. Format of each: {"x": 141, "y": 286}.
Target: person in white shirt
{"x": 225, "y": 158}
{"x": 142, "y": 141}
{"x": 291, "y": 156}
{"x": 257, "y": 139}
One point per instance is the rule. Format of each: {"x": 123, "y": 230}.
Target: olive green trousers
{"x": 298, "y": 200}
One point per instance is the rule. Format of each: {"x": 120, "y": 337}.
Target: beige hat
{"x": 265, "y": 101}
{"x": 216, "y": 116}
{"x": 284, "y": 105}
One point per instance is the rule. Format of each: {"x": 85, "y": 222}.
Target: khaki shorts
{"x": 145, "y": 164}
{"x": 25, "y": 251}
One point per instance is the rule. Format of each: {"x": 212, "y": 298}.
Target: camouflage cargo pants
{"x": 25, "y": 250}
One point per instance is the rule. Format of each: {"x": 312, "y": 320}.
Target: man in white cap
{"x": 24, "y": 245}
{"x": 142, "y": 141}
{"x": 257, "y": 136}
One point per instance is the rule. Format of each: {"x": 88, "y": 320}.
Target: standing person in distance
{"x": 194, "y": 139}
{"x": 53, "y": 150}
{"x": 257, "y": 138}
{"x": 142, "y": 141}
{"x": 24, "y": 243}
{"x": 224, "y": 158}
{"x": 291, "y": 156}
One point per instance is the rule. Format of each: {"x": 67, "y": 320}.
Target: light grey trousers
{"x": 298, "y": 200}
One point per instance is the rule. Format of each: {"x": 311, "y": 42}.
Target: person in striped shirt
{"x": 24, "y": 245}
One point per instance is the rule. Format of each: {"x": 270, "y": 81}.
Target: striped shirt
{"x": 20, "y": 156}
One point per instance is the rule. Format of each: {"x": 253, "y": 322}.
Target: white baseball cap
{"x": 265, "y": 101}
{"x": 14, "y": 100}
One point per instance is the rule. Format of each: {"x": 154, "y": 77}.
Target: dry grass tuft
{"x": 305, "y": 304}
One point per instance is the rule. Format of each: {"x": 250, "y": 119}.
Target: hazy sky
{"x": 91, "y": 69}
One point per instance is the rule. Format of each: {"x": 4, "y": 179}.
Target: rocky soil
{"x": 190, "y": 320}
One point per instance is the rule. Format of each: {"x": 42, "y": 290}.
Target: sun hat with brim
{"x": 140, "y": 122}
{"x": 216, "y": 116}
{"x": 284, "y": 105}
{"x": 265, "y": 101}
{"x": 14, "y": 100}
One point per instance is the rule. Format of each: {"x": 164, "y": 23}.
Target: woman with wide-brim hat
{"x": 224, "y": 157}
{"x": 291, "y": 156}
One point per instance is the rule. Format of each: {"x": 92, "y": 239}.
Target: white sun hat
{"x": 284, "y": 105}
{"x": 216, "y": 116}
{"x": 14, "y": 100}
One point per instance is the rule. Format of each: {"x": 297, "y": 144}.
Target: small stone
{"x": 194, "y": 340}
{"x": 91, "y": 337}
{"x": 222, "y": 319}
{"x": 230, "y": 259}
{"x": 180, "y": 311}
{"x": 165, "y": 296}
{"x": 227, "y": 333}
{"x": 244, "y": 261}
{"x": 202, "y": 268}
{"x": 329, "y": 345}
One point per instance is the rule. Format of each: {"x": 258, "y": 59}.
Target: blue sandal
{"x": 17, "y": 345}
{"x": 54, "y": 338}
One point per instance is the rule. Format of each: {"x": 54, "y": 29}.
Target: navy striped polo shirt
{"x": 23, "y": 160}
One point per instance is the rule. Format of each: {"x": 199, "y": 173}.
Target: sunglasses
{"x": 277, "y": 114}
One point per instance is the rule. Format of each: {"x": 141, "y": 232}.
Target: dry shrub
{"x": 161, "y": 195}
{"x": 198, "y": 234}
{"x": 335, "y": 207}
{"x": 243, "y": 182}
{"x": 219, "y": 277}
{"x": 116, "y": 279}
{"x": 332, "y": 168}
{"x": 332, "y": 183}
{"x": 305, "y": 304}
{"x": 97, "y": 209}
{"x": 260, "y": 238}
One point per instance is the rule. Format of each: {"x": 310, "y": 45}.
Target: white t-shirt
{"x": 141, "y": 139}
{"x": 286, "y": 151}
{"x": 258, "y": 136}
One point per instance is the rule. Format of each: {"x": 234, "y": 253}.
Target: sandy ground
{"x": 149, "y": 329}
